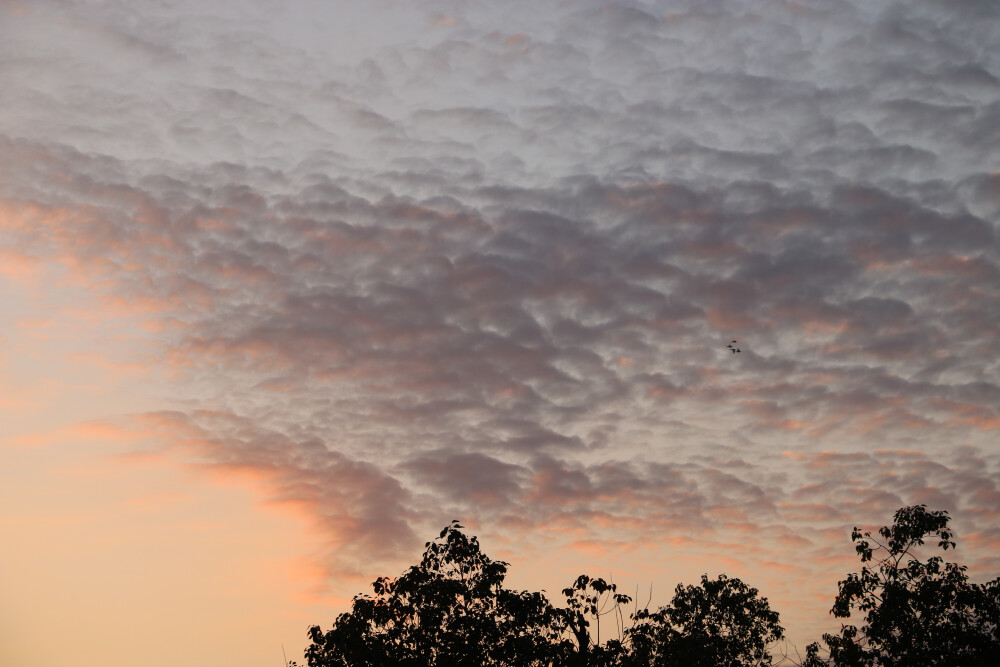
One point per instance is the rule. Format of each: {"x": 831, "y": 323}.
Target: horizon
{"x": 285, "y": 288}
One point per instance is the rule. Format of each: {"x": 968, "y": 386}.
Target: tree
{"x": 595, "y": 598}
{"x": 452, "y": 609}
{"x": 916, "y": 612}
{"x": 720, "y": 623}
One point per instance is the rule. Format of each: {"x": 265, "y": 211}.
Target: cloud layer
{"x": 413, "y": 262}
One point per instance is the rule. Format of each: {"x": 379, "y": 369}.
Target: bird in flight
{"x": 732, "y": 347}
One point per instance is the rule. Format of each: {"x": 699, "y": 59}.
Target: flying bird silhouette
{"x": 732, "y": 347}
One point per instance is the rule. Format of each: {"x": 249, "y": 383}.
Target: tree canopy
{"x": 720, "y": 623}
{"x": 915, "y": 612}
{"x": 453, "y": 609}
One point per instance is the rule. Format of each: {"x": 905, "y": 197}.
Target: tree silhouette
{"x": 719, "y": 623}
{"x": 916, "y": 612}
{"x": 452, "y": 609}
{"x": 591, "y": 598}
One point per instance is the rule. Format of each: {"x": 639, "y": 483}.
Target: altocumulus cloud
{"x": 420, "y": 261}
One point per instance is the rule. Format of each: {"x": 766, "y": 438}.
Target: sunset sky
{"x": 287, "y": 286}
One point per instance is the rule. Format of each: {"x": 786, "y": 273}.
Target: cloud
{"x": 467, "y": 477}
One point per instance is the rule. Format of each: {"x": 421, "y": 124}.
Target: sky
{"x": 285, "y": 287}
